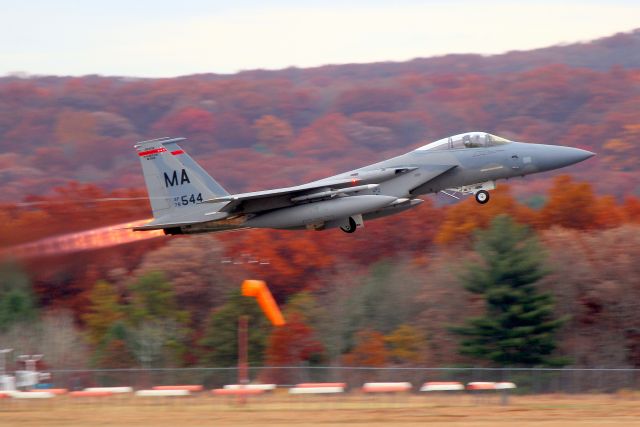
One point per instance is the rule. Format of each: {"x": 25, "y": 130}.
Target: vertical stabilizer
{"x": 176, "y": 184}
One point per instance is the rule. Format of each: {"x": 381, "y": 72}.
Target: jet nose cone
{"x": 576, "y": 155}
{"x": 551, "y": 157}
{"x": 561, "y": 156}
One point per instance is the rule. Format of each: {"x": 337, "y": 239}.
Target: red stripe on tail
{"x": 154, "y": 151}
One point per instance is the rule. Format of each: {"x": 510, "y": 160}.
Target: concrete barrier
{"x": 162, "y": 393}
{"x": 56, "y": 391}
{"x": 192, "y": 388}
{"x": 86, "y": 393}
{"x": 394, "y": 387}
{"x": 114, "y": 390}
{"x": 263, "y": 387}
{"x": 442, "y": 386}
{"x": 313, "y": 385}
{"x": 316, "y": 390}
{"x": 31, "y": 394}
{"x": 481, "y": 385}
{"x": 505, "y": 386}
{"x": 237, "y": 391}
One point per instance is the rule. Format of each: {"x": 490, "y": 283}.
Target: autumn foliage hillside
{"x": 386, "y": 294}
{"x": 260, "y": 129}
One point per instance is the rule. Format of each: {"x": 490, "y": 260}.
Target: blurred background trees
{"x": 29, "y": 330}
{"x": 380, "y": 296}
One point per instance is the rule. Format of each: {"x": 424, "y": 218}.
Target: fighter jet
{"x": 186, "y": 200}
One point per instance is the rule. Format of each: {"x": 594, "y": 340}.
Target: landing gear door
{"x": 358, "y": 219}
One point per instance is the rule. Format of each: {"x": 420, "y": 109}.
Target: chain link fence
{"x": 528, "y": 381}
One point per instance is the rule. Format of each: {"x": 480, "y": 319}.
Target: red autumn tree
{"x": 189, "y": 122}
{"x": 293, "y": 343}
{"x": 290, "y": 345}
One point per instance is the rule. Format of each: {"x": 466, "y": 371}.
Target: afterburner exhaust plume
{"x": 96, "y": 238}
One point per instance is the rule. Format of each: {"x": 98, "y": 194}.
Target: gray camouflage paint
{"x": 185, "y": 199}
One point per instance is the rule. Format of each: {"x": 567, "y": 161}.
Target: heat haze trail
{"x": 97, "y": 238}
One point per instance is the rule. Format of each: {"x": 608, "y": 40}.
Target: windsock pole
{"x": 243, "y": 326}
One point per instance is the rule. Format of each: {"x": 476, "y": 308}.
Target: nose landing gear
{"x": 482, "y": 197}
{"x": 479, "y": 190}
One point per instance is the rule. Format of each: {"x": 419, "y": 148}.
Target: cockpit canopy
{"x": 465, "y": 140}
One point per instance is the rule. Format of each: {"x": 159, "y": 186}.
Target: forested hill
{"x": 258, "y": 129}
{"x": 622, "y": 49}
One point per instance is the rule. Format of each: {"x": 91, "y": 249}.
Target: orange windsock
{"x": 259, "y": 290}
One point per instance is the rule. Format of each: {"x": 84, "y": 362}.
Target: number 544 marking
{"x": 187, "y": 199}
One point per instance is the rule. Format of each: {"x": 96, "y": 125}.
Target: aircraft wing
{"x": 342, "y": 184}
{"x": 234, "y": 201}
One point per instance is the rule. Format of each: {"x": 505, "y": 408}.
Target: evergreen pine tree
{"x": 17, "y": 302}
{"x": 517, "y": 328}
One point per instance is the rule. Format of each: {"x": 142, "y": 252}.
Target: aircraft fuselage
{"x": 468, "y": 163}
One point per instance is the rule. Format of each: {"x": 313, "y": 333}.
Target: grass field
{"x": 281, "y": 410}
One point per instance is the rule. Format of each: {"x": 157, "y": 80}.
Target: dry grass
{"x": 282, "y": 410}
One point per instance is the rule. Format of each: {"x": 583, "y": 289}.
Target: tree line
{"x": 554, "y": 282}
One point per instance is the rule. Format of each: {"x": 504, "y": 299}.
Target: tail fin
{"x": 175, "y": 182}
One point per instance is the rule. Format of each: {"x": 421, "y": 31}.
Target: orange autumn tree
{"x": 294, "y": 258}
{"x": 407, "y": 345}
{"x": 609, "y": 214}
{"x": 631, "y": 209}
{"x": 463, "y": 218}
{"x": 370, "y": 350}
{"x": 573, "y": 204}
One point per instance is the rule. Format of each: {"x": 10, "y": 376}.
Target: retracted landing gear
{"x": 350, "y": 227}
{"x": 482, "y": 197}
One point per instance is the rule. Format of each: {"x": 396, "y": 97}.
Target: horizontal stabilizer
{"x": 152, "y": 226}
